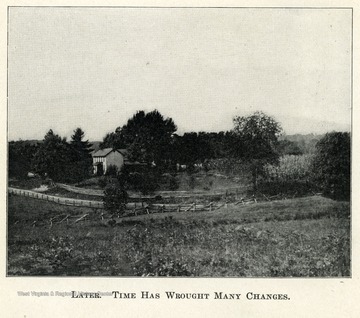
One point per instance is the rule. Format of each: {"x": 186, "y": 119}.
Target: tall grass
{"x": 307, "y": 237}
{"x": 292, "y": 176}
{"x": 290, "y": 168}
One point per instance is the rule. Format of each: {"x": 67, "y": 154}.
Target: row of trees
{"x": 151, "y": 138}
{"x": 255, "y": 139}
{"x": 54, "y": 157}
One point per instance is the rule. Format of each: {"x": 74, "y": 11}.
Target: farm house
{"x": 104, "y": 158}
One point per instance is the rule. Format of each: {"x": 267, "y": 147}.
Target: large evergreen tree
{"x": 81, "y": 146}
{"x": 81, "y": 161}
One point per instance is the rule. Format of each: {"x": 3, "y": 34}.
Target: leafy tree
{"x": 220, "y": 143}
{"x": 331, "y": 165}
{"x": 114, "y": 140}
{"x": 147, "y": 136}
{"x": 192, "y": 147}
{"x": 257, "y": 139}
{"x": 52, "y": 157}
{"x": 21, "y": 154}
{"x": 195, "y": 147}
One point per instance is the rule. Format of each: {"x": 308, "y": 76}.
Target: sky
{"x": 95, "y": 67}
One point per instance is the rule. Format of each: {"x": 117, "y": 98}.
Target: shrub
{"x": 173, "y": 183}
{"x": 191, "y": 181}
{"x": 115, "y": 198}
{"x": 146, "y": 181}
{"x": 102, "y": 182}
{"x": 112, "y": 170}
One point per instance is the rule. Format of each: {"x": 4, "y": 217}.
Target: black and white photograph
{"x": 199, "y": 142}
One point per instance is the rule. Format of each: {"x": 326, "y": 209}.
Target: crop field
{"x": 301, "y": 237}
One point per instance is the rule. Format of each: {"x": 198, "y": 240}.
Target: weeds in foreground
{"x": 311, "y": 243}
{"x": 260, "y": 250}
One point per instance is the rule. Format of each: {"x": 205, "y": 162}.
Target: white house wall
{"x": 114, "y": 158}
{"x": 97, "y": 160}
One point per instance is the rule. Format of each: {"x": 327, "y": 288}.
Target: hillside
{"x": 305, "y": 237}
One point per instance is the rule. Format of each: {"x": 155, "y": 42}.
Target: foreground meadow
{"x": 303, "y": 237}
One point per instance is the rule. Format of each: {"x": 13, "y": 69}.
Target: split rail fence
{"x": 133, "y": 208}
{"x": 56, "y": 199}
{"x": 164, "y": 194}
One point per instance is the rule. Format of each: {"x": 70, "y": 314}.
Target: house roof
{"x": 124, "y": 152}
{"x": 106, "y": 151}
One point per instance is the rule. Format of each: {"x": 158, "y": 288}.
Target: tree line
{"x": 54, "y": 157}
{"x": 151, "y": 138}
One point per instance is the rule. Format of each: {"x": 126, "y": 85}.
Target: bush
{"x": 173, "y": 183}
{"x": 102, "y": 182}
{"x": 146, "y": 181}
{"x": 191, "y": 181}
{"x": 331, "y": 165}
{"x": 112, "y": 170}
{"x": 115, "y": 198}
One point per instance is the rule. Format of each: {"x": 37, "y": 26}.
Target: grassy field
{"x": 196, "y": 181}
{"x": 303, "y": 237}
